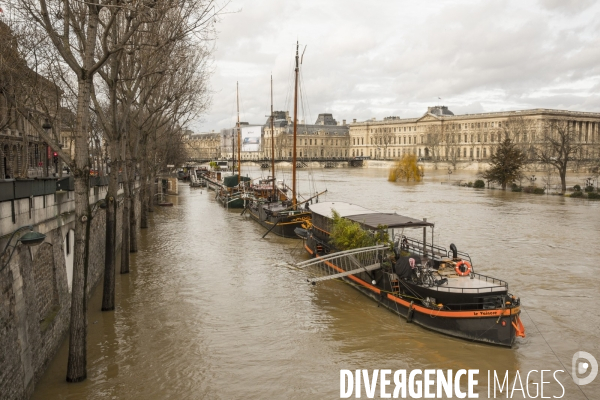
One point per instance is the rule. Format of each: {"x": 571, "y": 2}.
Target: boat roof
{"x": 369, "y": 218}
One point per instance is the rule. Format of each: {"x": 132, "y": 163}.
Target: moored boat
{"x": 271, "y": 207}
{"x": 427, "y": 284}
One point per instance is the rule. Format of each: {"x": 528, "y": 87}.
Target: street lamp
{"x": 29, "y": 239}
{"x": 46, "y": 127}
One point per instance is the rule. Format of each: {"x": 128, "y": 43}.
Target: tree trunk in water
{"x": 144, "y": 190}
{"x": 132, "y": 221}
{"x": 563, "y": 180}
{"x": 151, "y": 192}
{"x": 144, "y": 203}
{"x": 125, "y": 244}
{"x": 110, "y": 256}
{"x": 503, "y": 185}
{"x": 77, "y": 360}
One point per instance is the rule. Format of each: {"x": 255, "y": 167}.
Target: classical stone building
{"x": 203, "y": 146}
{"x": 326, "y": 139}
{"x": 441, "y": 135}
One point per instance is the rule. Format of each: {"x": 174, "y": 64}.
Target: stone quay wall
{"x": 35, "y": 288}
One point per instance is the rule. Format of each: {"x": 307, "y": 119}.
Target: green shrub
{"x": 516, "y": 188}
{"x": 347, "y": 235}
{"x": 539, "y": 191}
{"x": 470, "y": 184}
{"x": 479, "y": 184}
{"x": 577, "y": 188}
{"x": 589, "y": 189}
{"x": 593, "y": 196}
{"x": 577, "y": 193}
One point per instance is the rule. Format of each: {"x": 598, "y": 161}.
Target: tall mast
{"x": 272, "y": 141}
{"x": 294, "y": 201}
{"x": 239, "y": 134}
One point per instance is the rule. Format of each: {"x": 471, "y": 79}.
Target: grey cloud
{"x": 397, "y": 58}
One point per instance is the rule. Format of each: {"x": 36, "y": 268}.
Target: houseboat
{"x": 427, "y": 284}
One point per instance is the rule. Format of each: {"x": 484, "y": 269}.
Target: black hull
{"x": 285, "y": 224}
{"x": 229, "y": 202}
{"x": 492, "y": 326}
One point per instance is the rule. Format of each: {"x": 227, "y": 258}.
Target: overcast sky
{"x": 380, "y": 58}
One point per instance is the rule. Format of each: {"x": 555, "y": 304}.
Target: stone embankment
{"x": 35, "y": 286}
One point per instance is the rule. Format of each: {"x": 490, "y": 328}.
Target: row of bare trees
{"x": 134, "y": 74}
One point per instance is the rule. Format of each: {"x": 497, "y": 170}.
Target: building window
{"x": 484, "y": 152}
{"x": 465, "y": 152}
{"x": 471, "y": 152}
{"x": 409, "y": 139}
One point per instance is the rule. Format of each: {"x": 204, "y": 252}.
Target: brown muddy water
{"x": 212, "y": 311}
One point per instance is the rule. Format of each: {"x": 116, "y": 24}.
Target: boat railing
{"x": 495, "y": 285}
{"x": 344, "y": 263}
{"x": 416, "y": 246}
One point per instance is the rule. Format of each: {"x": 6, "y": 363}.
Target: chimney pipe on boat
{"x": 454, "y": 251}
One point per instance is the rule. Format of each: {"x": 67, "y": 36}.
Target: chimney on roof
{"x": 344, "y": 122}
{"x": 354, "y": 120}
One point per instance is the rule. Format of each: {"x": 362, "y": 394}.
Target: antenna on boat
{"x": 294, "y": 201}
{"x": 302, "y": 57}
{"x": 239, "y": 142}
{"x": 272, "y": 142}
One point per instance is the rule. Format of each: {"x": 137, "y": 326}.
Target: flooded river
{"x": 212, "y": 311}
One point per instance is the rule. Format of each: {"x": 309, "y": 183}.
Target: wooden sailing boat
{"x": 230, "y": 194}
{"x": 278, "y": 213}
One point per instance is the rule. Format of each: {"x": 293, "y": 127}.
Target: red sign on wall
{"x": 40, "y": 164}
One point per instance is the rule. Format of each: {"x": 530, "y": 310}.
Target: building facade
{"x": 25, "y": 96}
{"x": 203, "y": 146}
{"x": 442, "y": 136}
{"x": 229, "y": 142}
{"x": 325, "y": 139}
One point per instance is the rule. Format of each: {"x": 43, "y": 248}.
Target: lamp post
{"x": 31, "y": 238}
{"x": 532, "y": 179}
{"x": 47, "y": 127}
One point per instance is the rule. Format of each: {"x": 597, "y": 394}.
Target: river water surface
{"x": 212, "y": 311}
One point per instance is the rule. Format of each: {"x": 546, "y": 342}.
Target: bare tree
{"x": 383, "y": 138}
{"x": 433, "y": 141}
{"x": 559, "y": 147}
{"x": 523, "y": 132}
{"x": 78, "y": 32}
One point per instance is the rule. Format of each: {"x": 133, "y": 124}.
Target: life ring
{"x": 459, "y": 271}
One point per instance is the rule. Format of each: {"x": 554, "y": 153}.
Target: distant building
{"x": 442, "y": 135}
{"x": 229, "y": 141}
{"x": 325, "y": 139}
{"x": 25, "y": 96}
{"x": 203, "y": 146}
